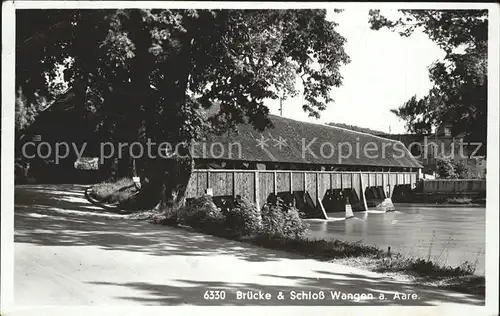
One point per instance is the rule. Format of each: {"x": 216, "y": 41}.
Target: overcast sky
{"x": 385, "y": 71}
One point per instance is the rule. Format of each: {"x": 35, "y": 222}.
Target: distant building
{"x": 442, "y": 144}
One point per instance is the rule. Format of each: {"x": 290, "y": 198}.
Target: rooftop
{"x": 294, "y": 141}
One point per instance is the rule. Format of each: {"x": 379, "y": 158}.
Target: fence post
{"x": 383, "y": 185}
{"x": 318, "y": 201}
{"x": 275, "y": 183}
{"x": 256, "y": 188}
{"x": 365, "y": 205}
{"x": 208, "y": 179}
{"x": 305, "y": 182}
{"x": 291, "y": 182}
{"x": 234, "y": 184}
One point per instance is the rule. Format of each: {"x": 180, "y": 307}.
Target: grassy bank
{"x": 416, "y": 270}
{"x": 368, "y": 257}
{"x": 113, "y": 192}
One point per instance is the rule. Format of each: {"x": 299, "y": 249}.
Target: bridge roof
{"x": 294, "y": 141}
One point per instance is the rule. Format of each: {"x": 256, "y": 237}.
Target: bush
{"x": 281, "y": 220}
{"x": 244, "y": 219}
{"x": 202, "y": 213}
{"x": 448, "y": 169}
{"x": 461, "y": 170}
{"x": 273, "y": 220}
{"x": 294, "y": 226}
{"x": 445, "y": 169}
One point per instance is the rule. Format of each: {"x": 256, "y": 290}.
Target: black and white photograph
{"x": 318, "y": 158}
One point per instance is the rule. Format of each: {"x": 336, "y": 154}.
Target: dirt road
{"x": 68, "y": 252}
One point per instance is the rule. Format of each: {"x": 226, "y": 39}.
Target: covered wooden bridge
{"x": 309, "y": 164}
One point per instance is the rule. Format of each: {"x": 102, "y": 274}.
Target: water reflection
{"x": 449, "y": 235}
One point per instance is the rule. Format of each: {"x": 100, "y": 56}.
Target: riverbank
{"x": 441, "y": 198}
{"x": 417, "y": 271}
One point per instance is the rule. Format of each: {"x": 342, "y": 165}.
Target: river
{"x": 449, "y": 235}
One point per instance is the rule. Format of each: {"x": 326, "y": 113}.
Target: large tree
{"x": 459, "y": 93}
{"x": 154, "y": 74}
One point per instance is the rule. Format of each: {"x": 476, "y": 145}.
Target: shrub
{"x": 244, "y": 219}
{"x": 445, "y": 168}
{"x": 203, "y": 214}
{"x": 448, "y": 169}
{"x": 273, "y": 220}
{"x": 461, "y": 170}
{"x": 282, "y": 220}
{"x": 294, "y": 226}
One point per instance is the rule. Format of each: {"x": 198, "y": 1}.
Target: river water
{"x": 449, "y": 235}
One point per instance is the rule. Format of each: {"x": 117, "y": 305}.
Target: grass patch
{"x": 318, "y": 249}
{"x": 469, "y": 284}
{"x": 459, "y": 200}
{"x": 113, "y": 192}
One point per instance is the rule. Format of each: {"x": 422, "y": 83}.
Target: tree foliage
{"x": 356, "y": 128}
{"x": 158, "y": 70}
{"x": 448, "y": 169}
{"x": 459, "y": 94}
{"x": 24, "y": 113}
{"x": 156, "y": 74}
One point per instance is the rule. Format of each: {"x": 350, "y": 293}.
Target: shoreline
{"x": 446, "y": 204}
{"x": 416, "y": 270}
{"x": 394, "y": 265}
{"x": 446, "y": 199}
{"x": 450, "y": 205}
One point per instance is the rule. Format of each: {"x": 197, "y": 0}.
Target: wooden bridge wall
{"x": 257, "y": 185}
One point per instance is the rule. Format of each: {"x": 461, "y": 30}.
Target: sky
{"x": 385, "y": 71}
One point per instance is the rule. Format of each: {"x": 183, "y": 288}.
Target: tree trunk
{"x": 168, "y": 178}
{"x": 165, "y": 183}
{"x": 174, "y": 184}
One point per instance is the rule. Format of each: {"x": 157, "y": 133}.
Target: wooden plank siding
{"x": 257, "y": 185}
